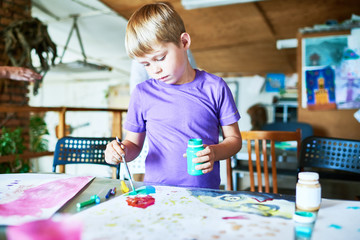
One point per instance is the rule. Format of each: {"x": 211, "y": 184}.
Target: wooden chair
{"x": 82, "y": 150}
{"x": 263, "y": 166}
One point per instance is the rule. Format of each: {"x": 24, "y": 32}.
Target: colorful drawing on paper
{"x": 320, "y": 88}
{"x": 179, "y": 213}
{"x": 263, "y": 205}
{"x": 348, "y": 80}
{"x": 275, "y": 82}
{"x": 28, "y": 197}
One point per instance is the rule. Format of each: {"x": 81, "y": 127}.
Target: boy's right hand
{"x": 113, "y": 153}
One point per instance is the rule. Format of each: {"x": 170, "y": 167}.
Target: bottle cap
{"x": 304, "y": 217}
{"x": 309, "y": 176}
{"x": 195, "y": 142}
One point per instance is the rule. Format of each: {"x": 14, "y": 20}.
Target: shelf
{"x": 26, "y": 155}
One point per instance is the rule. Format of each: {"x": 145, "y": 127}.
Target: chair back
{"x": 266, "y": 137}
{"x": 82, "y": 150}
{"x": 336, "y": 158}
{"x": 306, "y": 129}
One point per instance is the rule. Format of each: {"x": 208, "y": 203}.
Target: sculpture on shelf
{"x": 258, "y": 116}
{"x": 23, "y": 36}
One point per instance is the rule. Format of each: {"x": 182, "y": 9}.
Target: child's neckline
{"x": 184, "y": 85}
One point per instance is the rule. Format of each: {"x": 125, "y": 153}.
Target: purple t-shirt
{"x": 173, "y": 114}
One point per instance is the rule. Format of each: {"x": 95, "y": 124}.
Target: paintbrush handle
{"x": 128, "y": 172}
{"x": 126, "y": 166}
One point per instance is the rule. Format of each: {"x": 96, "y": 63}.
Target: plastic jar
{"x": 304, "y": 224}
{"x": 308, "y": 191}
{"x": 194, "y": 145}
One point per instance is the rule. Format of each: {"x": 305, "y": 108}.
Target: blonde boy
{"x": 177, "y": 103}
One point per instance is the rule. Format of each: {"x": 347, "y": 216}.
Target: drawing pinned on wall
{"x": 319, "y": 53}
{"x": 348, "y": 81}
{"x": 275, "y": 82}
{"x": 45, "y": 193}
{"x": 194, "y": 214}
{"x": 320, "y": 88}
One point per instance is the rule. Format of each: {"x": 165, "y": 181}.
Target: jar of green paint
{"x": 194, "y": 145}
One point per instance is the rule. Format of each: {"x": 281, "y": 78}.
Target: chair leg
{"x": 236, "y": 181}
{"x": 229, "y": 185}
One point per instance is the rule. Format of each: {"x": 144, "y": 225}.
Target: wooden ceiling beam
{"x": 266, "y": 19}
{"x": 273, "y": 33}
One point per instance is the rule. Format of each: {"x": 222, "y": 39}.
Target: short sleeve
{"x": 228, "y": 112}
{"x": 135, "y": 121}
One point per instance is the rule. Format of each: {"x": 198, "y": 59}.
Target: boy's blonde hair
{"x": 152, "y": 24}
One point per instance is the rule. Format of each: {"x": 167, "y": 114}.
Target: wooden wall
{"x": 13, "y": 93}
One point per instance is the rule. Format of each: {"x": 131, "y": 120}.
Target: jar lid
{"x": 310, "y": 176}
{"x": 304, "y": 217}
{"x": 195, "y": 142}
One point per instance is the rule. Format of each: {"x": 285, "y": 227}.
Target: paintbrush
{"x": 126, "y": 166}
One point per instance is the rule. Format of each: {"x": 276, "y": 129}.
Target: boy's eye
{"x": 160, "y": 59}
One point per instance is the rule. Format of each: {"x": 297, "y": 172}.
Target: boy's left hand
{"x": 207, "y": 158}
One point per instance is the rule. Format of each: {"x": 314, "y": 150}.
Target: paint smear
{"x": 356, "y": 208}
{"x": 48, "y": 229}
{"x": 47, "y": 195}
{"x": 335, "y": 226}
{"x": 140, "y": 202}
{"x": 236, "y": 217}
{"x": 268, "y": 199}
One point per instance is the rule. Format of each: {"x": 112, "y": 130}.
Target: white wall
{"x": 250, "y": 93}
{"x": 89, "y": 94}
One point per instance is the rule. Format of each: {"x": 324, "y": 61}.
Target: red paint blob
{"x": 235, "y": 217}
{"x": 140, "y": 202}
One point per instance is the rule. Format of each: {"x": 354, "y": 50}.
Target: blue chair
{"x": 82, "y": 150}
{"x": 306, "y": 129}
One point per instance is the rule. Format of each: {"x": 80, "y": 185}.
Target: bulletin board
{"x": 330, "y": 118}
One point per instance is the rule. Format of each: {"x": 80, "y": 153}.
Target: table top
{"x": 185, "y": 213}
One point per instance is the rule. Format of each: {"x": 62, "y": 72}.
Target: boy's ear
{"x": 185, "y": 40}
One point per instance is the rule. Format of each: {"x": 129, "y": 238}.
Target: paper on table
{"x": 28, "y": 197}
{"x": 338, "y": 219}
{"x": 180, "y": 213}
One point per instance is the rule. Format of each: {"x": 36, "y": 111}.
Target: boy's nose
{"x": 156, "y": 69}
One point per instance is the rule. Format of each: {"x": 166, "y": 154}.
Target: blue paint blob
{"x": 355, "y": 207}
{"x": 335, "y": 226}
{"x": 143, "y": 190}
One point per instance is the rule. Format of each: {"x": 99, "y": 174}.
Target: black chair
{"x": 332, "y": 158}
{"x": 82, "y": 150}
{"x": 306, "y": 129}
